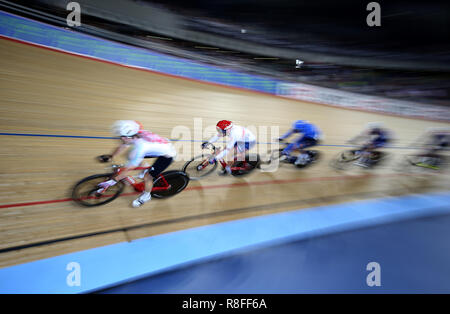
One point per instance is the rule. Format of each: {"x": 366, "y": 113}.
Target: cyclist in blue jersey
{"x": 310, "y": 136}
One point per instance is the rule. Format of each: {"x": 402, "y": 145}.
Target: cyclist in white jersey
{"x": 144, "y": 144}
{"x": 240, "y": 139}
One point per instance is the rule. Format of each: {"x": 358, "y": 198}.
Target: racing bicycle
{"x": 199, "y": 166}
{"x": 276, "y": 155}
{"x": 87, "y": 192}
{"x": 350, "y": 157}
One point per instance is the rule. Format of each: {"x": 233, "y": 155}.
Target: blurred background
{"x": 406, "y": 58}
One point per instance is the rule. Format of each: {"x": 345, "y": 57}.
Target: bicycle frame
{"x": 245, "y": 166}
{"x": 222, "y": 162}
{"x": 140, "y": 186}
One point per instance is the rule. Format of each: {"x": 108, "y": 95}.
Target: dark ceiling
{"x": 405, "y": 25}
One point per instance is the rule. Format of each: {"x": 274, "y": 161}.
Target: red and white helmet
{"x": 224, "y": 125}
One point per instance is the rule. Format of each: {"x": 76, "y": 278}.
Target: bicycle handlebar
{"x": 211, "y": 145}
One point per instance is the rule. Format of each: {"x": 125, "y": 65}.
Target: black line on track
{"x": 213, "y": 214}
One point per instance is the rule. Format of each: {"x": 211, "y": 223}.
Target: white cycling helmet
{"x": 125, "y": 128}
{"x": 374, "y": 125}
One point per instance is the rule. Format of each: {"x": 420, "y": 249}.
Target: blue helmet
{"x": 299, "y": 124}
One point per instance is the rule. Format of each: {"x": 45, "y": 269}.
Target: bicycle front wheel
{"x": 432, "y": 163}
{"x": 344, "y": 159}
{"x": 199, "y": 167}
{"x": 85, "y": 191}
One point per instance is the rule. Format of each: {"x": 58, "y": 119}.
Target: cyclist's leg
{"x": 291, "y": 147}
{"x": 143, "y": 163}
{"x": 154, "y": 171}
{"x": 160, "y": 164}
{"x": 222, "y": 160}
{"x": 248, "y": 146}
{"x": 367, "y": 151}
{"x": 238, "y": 156}
{"x": 364, "y": 152}
{"x": 304, "y": 157}
{"x": 226, "y": 168}
{"x": 242, "y": 148}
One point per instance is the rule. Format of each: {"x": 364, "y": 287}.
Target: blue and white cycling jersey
{"x": 306, "y": 128}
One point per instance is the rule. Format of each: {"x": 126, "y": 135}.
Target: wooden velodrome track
{"x": 47, "y": 92}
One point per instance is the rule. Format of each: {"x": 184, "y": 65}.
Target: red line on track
{"x": 35, "y": 203}
{"x": 231, "y": 185}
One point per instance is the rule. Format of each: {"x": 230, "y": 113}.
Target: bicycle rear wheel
{"x": 199, "y": 167}
{"x": 250, "y": 164}
{"x": 85, "y": 191}
{"x": 177, "y": 180}
{"x": 314, "y": 155}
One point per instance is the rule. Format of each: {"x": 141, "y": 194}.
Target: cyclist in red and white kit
{"x": 240, "y": 139}
{"x": 144, "y": 144}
